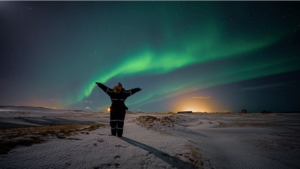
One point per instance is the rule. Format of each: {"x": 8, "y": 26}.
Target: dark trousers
{"x": 117, "y": 122}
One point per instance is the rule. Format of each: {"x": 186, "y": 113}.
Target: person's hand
{"x": 137, "y": 89}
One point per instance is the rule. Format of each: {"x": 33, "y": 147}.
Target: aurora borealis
{"x": 200, "y": 56}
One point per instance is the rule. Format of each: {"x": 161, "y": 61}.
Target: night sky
{"x": 199, "y": 56}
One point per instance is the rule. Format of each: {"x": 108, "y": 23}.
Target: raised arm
{"x": 105, "y": 88}
{"x": 132, "y": 91}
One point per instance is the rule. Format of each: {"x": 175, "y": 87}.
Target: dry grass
{"x": 130, "y": 112}
{"x": 150, "y": 121}
{"x": 155, "y": 123}
{"x": 192, "y": 154}
{"x": 26, "y": 136}
{"x": 160, "y": 122}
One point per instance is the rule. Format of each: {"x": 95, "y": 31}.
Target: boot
{"x": 113, "y": 132}
{"x": 120, "y": 132}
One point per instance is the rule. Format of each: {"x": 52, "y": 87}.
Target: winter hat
{"x": 116, "y": 90}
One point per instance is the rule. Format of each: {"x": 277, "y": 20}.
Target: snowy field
{"x": 33, "y": 137}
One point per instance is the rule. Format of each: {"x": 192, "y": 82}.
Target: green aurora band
{"x": 198, "y": 48}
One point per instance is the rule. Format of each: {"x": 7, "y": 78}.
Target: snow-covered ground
{"x": 150, "y": 140}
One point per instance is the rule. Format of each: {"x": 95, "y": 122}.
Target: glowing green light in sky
{"x": 195, "y": 51}
{"x": 237, "y": 73}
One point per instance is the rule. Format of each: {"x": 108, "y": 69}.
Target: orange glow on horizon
{"x": 194, "y": 105}
{"x": 108, "y": 109}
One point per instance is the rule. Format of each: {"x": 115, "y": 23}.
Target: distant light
{"x": 108, "y": 109}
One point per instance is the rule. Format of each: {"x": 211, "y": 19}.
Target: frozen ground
{"x": 77, "y": 139}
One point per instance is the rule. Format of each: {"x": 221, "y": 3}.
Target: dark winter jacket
{"x": 118, "y": 97}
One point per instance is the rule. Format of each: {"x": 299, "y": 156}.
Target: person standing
{"x": 118, "y": 95}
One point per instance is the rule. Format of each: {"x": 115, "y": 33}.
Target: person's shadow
{"x": 175, "y": 162}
